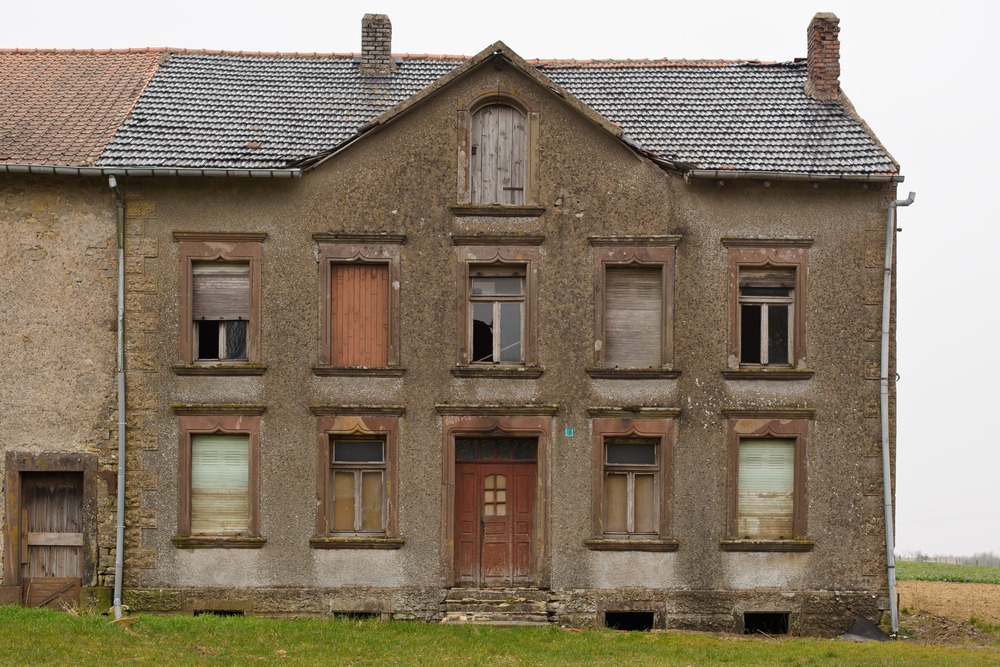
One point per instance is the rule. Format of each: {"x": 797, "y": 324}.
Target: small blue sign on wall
{"x": 568, "y": 432}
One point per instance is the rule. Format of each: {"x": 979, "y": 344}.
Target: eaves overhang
{"x": 732, "y": 174}
{"x": 216, "y": 172}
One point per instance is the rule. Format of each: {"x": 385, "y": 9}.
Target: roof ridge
{"x": 651, "y": 62}
{"x": 212, "y": 52}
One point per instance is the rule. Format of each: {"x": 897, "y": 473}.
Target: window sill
{"x": 498, "y": 371}
{"x": 631, "y": 373}
{"x": 354, "y": 542}
{"x": 217, "y": 542}
{"x": 767, "y": 373}
{"x": 613, "y": 544}
{"x": 359, "y": 371}
{"x": 767, "y": 545}
{"x": 497, "y": 210}
{"x": 216, "y": 368}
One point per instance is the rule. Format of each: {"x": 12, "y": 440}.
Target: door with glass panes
{"x": 495, "y": 482}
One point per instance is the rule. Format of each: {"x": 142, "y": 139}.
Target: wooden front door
{"x": 495, "y": 512}
{"x": 51, "y": 538}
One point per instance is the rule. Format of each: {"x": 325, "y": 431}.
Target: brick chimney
{"x": 823, "y": 81}
{"x": 376, "y": 45}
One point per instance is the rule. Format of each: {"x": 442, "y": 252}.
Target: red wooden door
{"x": 494, "y": 523}
{"x": 51, "y": 538}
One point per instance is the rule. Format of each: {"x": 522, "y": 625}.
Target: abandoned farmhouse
{"x": 402, "y": 335}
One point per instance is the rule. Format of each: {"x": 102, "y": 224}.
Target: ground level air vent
{"x": 765, "y": 622}
{"x": 629, "y": 620}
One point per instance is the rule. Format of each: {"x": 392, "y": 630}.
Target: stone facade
{"x": 57, "y": 317}
{"x": 583, "y": 205}
{"x": 399, "y": 183}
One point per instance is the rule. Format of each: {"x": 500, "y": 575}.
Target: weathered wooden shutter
{"x": 360, "y": 315}
{"x": 220, "y": 475}
{"x": 499, "y": 150}
{"x": 633, "y": 316}
{"x": 766, "y": 502}
{"x": 221, "y": 291}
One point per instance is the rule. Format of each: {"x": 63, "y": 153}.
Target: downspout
{"x": 120, "y": 532}
{"x": 890, "y": 233}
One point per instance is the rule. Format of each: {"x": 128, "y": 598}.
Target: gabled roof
{"x": 62, "y": 107}
{"x": 208, "y": 110}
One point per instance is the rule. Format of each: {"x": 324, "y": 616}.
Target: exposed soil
{"x": 939, "y": 612}
{"x": 959, "y": 602}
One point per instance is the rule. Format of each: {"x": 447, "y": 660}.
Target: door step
{"x": 496, "y": 606}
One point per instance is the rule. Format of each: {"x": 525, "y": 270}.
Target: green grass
{"x": 35, "y": 637}
{"x": 971, "y": 574}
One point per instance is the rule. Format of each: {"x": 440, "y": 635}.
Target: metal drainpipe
{"x": 120, "y": 532}
{"x": 890, "y": 232}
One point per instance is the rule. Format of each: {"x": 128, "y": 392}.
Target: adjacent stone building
{"x": 403, "y": 335}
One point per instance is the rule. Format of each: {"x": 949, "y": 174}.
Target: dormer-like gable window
{"x": 498, "y": 155}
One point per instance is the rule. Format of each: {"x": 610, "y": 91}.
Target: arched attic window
{"x": 498, "y": 155}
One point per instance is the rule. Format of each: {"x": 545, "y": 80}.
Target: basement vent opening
{"x": 219, "y": 612}
{"x": 358, "y": 615}
{"x": 629, "y": 620}
{"x": 765, "y": 623}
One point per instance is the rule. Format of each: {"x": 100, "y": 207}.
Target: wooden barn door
{"x": 495, "y": 519}
{"x": 51, "y": 538}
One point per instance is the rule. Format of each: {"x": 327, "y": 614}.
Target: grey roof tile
{"x": 259, "y": 111}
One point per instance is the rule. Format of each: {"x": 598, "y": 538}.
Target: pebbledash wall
{"x": 57, "y": 318}
{"x": 399, "y": 184}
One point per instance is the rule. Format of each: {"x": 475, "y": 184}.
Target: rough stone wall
{"x": 402, "y": 180}
{"x": 57, "y": 330}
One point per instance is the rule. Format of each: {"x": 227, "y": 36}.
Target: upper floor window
{"x": 767, "y": 313}
{"x": 359, "y": 304}
{"x": 498, "y": 153}
{"x": 496, "y": 310}
{"x": 498, "y": 301}
{"x": 219, "y": 303}
{"x": 767, "y": 296}
{"x": 633, "y": 287}
{"x": 220, "y": 308}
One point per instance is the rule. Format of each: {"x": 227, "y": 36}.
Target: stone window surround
{"x": 790, "y": 253}
{"x": 530, "y": 108}
{"x": 650, "y": 423}
{"x": 337, "y": 248}
{"x": 229, "y": 246}
{"x": 338, "y": 421}
{"x": 793, "y": 424}
{"x": 635, "y": 251}
{"x": 527, "y": 255}
{"x": 211, "y": 419}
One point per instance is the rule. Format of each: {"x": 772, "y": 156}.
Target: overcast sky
{"x": 921, "y": 74}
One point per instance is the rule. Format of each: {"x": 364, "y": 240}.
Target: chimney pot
{"x": 376, "y": 45}
{"x": 823, "y": 78}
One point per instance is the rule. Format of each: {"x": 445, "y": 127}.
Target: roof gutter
{"x": 54, "y": 170}
{"x": 730, "y": 174}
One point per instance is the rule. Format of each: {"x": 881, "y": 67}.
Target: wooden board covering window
{"x": 766, "y": 488}
{"x": 498, "y": 160}
{"x": 360, "y": 314}
{"x": 633, "y": 321}
{"x": 220, "y": 474}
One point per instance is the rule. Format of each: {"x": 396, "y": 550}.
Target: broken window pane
{"x": 750, "y": 334}
{"x": 777, "y": 334}
{"x": 510, "y": 332}
{"x": 482, "y": 332}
